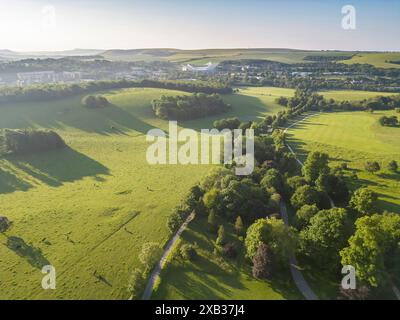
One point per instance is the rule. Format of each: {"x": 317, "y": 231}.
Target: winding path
{"x": 297, "y": 275}
{"x": 160, "y": 265}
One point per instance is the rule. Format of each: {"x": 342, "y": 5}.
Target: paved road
{"x": 298, "y": 277}
{"x": 160, "y": 265}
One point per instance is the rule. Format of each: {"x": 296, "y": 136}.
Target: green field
{"x": 379, "y": 60}
{"x": 210, "y": 276}
{"x": 88, "y": 209}
{"x": 354, "y": 138}
{"x": 352, "y": 95}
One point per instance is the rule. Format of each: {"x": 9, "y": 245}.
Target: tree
{"x": 363, "y": 200}
{"x": 150, "y": 254}
{"x": 393, "y": 166}
{"x": 304, "y": 195}
{"x": 239, "y": 226}
{"x": 334, "y": 186}
{"x": 221, "y": 239}
{"x": 316, "y": 163}
{"x": 262, "y": 262}
{"x": 304, "y": 215}
{"x": 280, "y": 238}
{"x": 372, "y": 166}
{"x": 325, "y": 236}
{"x": 188, "y": 252}
{"x": 136, "y": 284}
{"x": 374, "y": 248}
{"x": 272, "y": 179}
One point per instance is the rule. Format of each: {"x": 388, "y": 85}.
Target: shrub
{"x": 136, "y": 284}
{"x": 95, "y": 102}
{"x": 372, "y": 166}
{"x": 4, "y": 224}
{"x": 229, "y": 123}
{"x": 221, "y": 239}
{"x": 393, "y": 166}
{"x": 239, "y": 226}
{"x": 188, "y": 252}
{"x": 150, "y": 254}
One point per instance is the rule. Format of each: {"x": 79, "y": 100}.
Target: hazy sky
{"x": 30, "y": 25}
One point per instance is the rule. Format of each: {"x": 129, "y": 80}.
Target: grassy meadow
{"x": 88, "y": 209}
{"x": 379, "y": 60}
{"x": 355, "y": 138}
{"x": 352, "y": 95}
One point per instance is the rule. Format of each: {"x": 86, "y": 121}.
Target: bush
{"x": 188, "y": 252}
{"x": 30, "y": 141}
{"x": 4, "y": 224}
{"x": 229, "y": 123}
{"x": 95, "y": 102}
{"x": 136, "y": 284}
{"x": 221, "y": 239}
{"x": 372, "y": 166}
{"x": 389, "y": 121}
{"x": 393, "y": 166}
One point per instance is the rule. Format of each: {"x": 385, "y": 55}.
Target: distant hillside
{"x": 14, "y": 55}
{"x": 203, "y": 56}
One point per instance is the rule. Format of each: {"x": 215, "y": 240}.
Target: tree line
{"x": 57, "y": 91}
{"x": 20, "y": 142}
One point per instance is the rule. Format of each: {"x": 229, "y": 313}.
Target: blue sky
{"x": 191, "y": 24}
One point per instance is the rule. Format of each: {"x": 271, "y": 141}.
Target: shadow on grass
{"x": 69, "y": 112}
{"x": 52, "y": 168}
{"x": 31, "y": 254}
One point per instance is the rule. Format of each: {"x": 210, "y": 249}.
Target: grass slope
{"x": 352, "y": 95}
{"x": 216, "y": 55}
{"x": 354, "y": 137}
{"x": 88, "y": 209}
{"x": 379, "y": 60}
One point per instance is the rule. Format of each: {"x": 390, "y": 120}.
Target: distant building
{"x": 209, "y": 67}
{"x": 26, "y": 78}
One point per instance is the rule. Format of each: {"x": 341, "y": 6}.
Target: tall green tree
{"x": 374, "y": 249}
{"x": 364, "y": 201}
{"x": 316, "y": 163}
{"x": 325, "y": 236}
